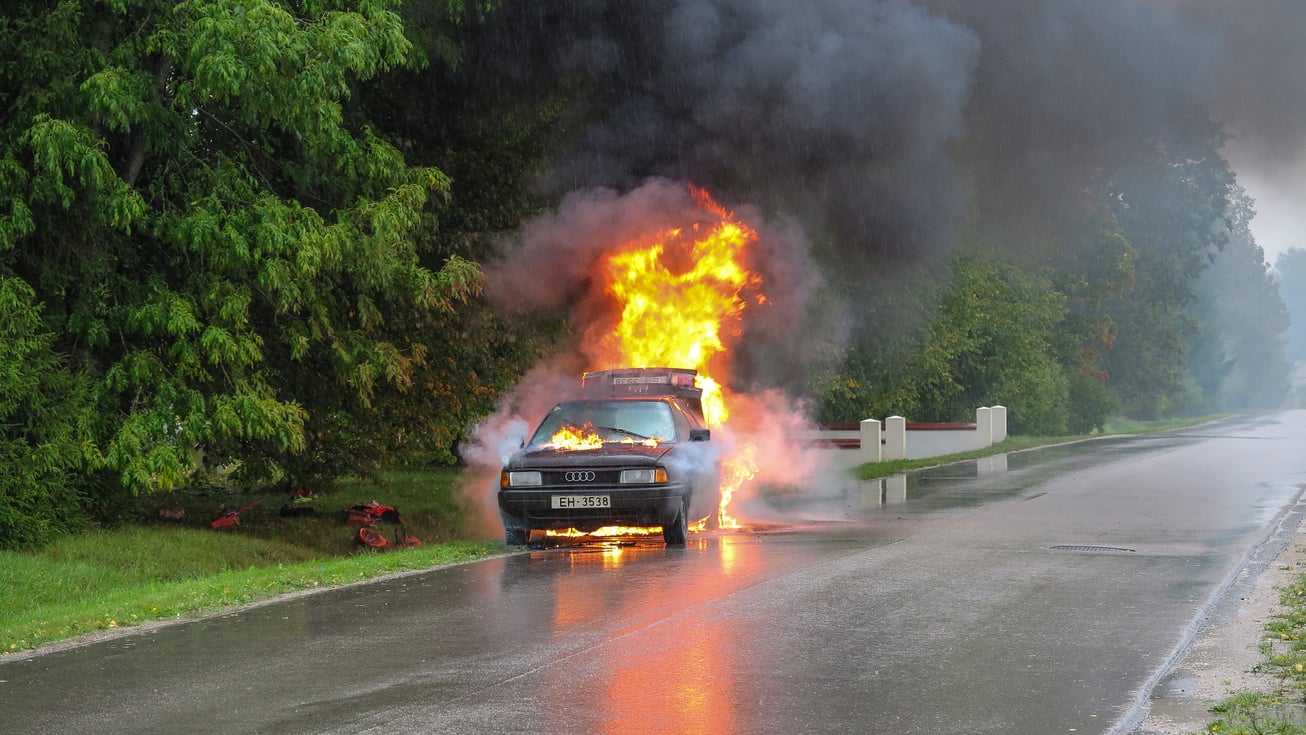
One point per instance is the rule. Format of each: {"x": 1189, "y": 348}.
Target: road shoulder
{"x": 1226, "y": 654}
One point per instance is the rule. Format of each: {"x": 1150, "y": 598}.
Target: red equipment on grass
{"x": 232, "y": 517}
{"x": 365, "y": 515}
{"x": 370, "y": 538}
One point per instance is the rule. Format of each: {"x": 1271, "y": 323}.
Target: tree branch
{"x": 136, "y": 159}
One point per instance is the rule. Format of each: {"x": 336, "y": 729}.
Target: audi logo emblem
{"x": 585, "y": 476}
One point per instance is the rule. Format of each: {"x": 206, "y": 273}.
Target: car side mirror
{"x": 700, "y": 435}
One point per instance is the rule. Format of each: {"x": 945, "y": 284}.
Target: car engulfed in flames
{"x": 633, "y": 451}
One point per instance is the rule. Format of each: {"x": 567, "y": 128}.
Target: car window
{"x": 682, "y": 422}
{"x": 612, "y": 420}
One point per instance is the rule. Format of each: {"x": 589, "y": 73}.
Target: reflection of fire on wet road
{"x": 700, "y": 698}
{"x": 684, "y": 683}
{"x": 612, "y": 539}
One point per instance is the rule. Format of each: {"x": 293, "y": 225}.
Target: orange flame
{"x": 572, "y": 439}
{"x": 682, "y": 294}
{"x": 652, "y": 441}
{"x": 606, "y": 531}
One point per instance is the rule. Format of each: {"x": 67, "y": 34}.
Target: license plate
{"x": 581, "y": 501}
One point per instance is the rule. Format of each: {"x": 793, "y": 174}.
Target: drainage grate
{"x": 1093, "y": 549}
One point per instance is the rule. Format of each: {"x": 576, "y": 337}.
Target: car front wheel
{"x": 676, "y": 532}
{"x": 516, "y": 536}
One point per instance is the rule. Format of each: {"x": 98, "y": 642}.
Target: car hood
{"x": 612, "y": 454}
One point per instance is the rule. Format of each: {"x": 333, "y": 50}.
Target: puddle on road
{"x": 958, "y": 485}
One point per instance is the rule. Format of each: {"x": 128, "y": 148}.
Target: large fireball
{"x": 682, "y": 294}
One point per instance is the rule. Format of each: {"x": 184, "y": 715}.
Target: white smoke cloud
{"x": 495, "y": 439}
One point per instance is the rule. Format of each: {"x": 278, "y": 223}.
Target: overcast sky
{"x": 1280, "y": 221}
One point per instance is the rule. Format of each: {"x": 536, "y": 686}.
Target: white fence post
{"x": 895, "y": 438}
{"x": 983, "y": 428}
{"x": 999, "y": 424}
{"x": 870, "y": 437}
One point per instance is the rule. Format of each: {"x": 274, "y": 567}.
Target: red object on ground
{"x": 369, "y": 537}
{"x": 232, "y": 517}
{"x": 365, "y": 514}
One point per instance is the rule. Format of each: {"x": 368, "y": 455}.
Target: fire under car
{"x": 633, "y": 450}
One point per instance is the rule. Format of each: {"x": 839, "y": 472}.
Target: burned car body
{"x": 633, "y": 450}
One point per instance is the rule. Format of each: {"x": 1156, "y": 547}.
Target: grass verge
{"x": 149, "y": 569}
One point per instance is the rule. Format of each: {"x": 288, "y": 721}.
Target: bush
{"x": 1090, "y": 403}
{"x": 1039, "y": 403}
{"x": 44, "y": 418}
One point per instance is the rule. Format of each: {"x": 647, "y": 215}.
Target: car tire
{"x": 676, "y": 532}
{"x": 516, "y": 536}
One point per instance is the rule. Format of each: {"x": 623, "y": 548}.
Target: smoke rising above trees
{"x": 873, "y": 122}
{"x": 895, "y": 132}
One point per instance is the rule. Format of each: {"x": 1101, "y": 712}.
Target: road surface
{"x": 1041, "y": 592}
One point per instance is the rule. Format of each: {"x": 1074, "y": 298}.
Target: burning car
{"x": 633, "y": 450}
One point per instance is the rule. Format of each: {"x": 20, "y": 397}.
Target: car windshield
{"x": 613, "y": 421}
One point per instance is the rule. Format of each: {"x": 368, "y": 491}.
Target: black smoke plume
{"x": 873, "y": 122}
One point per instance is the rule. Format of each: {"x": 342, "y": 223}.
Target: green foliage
{"x": 872, "y": 375}
{"x": 1091, "y": 265}
{"x": 1278, "y": 710}
{"x": 993, "y": 337}
{"x": 1255, "y": 714}
{"x": 989, "y": 342}
{"x": 1236, "y": 355}
{"x": 1090, "y": 404}
{"x": 223, "y": 247}
{"x": 1290, "y": 271}
{"x": 1173, "y": 209}
{"x": 44, "y": 427}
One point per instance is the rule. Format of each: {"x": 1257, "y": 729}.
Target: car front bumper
{"x": 531, "y": 507}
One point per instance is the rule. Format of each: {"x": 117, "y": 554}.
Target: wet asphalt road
{"x": 935, "y": 604}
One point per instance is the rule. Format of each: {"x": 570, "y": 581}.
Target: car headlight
{"x": 646, "y": 476}
{"x": 520, "y": 478}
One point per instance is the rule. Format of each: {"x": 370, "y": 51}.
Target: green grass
{"x": 891, "y": 467}
{"x": 427, "y": 498}
{"x": 1282, "y": 710}
{"x": 151, "y": 569}
{"x": 1121, "y": 425}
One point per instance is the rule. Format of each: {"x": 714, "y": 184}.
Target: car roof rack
{"x": 638, "y": 382}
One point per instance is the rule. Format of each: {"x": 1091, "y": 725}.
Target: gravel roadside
{"x": 1226, "y": 652}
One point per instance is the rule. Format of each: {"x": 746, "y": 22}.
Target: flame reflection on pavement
{"x": 656, "y": 672}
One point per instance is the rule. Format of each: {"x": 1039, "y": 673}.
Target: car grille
{"x": 581, "y": 477}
